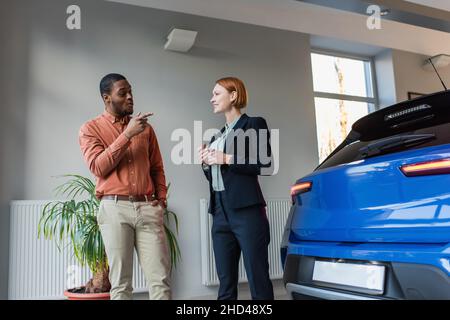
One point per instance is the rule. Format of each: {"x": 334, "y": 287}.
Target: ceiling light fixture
{"x": 439, "y": 61}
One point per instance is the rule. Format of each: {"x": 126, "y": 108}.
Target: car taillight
{"x": 300, "y": 188}
{"x": 441, "y": 166}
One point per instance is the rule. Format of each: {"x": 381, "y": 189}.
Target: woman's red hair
{"x": 235, "y": 84}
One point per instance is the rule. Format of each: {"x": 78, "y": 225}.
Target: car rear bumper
{"x": 437, "y": 255}
{"x": 402, "y": 281}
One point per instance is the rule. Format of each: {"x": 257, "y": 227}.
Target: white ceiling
{"x": 437, "y": 4}
{"x": 311, "y": 19}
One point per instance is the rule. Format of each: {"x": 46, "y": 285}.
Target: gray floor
{"x": 244, "y": 293}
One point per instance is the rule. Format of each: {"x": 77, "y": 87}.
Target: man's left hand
{"x": 162, "y": 203}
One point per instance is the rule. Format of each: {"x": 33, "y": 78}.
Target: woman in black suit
{"x": 232, "y": 162}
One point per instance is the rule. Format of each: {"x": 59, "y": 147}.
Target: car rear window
{"x": 353, "y": 152}
{"x": 428, "y": 115}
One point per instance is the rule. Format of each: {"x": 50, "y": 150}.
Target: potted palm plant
{"x": 75, "y": 219}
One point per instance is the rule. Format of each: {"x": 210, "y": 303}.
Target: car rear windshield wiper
{"x": 384, "y": 145}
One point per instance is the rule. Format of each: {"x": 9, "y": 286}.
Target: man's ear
{"x": 106, "y": 98}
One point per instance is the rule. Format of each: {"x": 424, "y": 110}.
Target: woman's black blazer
{"x": 241, "y": 177}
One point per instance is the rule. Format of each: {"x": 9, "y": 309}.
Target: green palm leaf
{"x": 75, "y": 219}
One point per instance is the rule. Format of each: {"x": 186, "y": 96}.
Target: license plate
{"x": 364, "y": 276}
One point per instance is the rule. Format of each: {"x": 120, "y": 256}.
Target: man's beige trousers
{"x": 127, "y": 225}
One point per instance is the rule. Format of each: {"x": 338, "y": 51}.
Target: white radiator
{"x": 277, "y": 213}
{"x": 37, "y": 269}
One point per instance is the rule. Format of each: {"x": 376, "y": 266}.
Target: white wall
{"x": 13, "y": 90}
{"x": 410, "y": 76}
{"x": 313, "y": 19}
{"x": 384, "y": 71}
{"x": 57, "y": 90}
{"x": 399, "y": 72}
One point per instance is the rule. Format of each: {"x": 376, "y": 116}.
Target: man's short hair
{"x": 107, "y": 82}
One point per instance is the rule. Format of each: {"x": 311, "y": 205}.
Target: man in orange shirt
{"x": 123, "y": 153}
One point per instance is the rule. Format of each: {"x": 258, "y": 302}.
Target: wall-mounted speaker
{"x": 180, "y": 40}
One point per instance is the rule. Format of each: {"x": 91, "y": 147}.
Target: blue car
{"x": 372, "y": 221}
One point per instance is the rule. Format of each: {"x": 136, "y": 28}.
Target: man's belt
{"x": 137, "y": 198}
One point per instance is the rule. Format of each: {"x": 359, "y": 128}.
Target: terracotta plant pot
{"x": 77, "y": 294}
